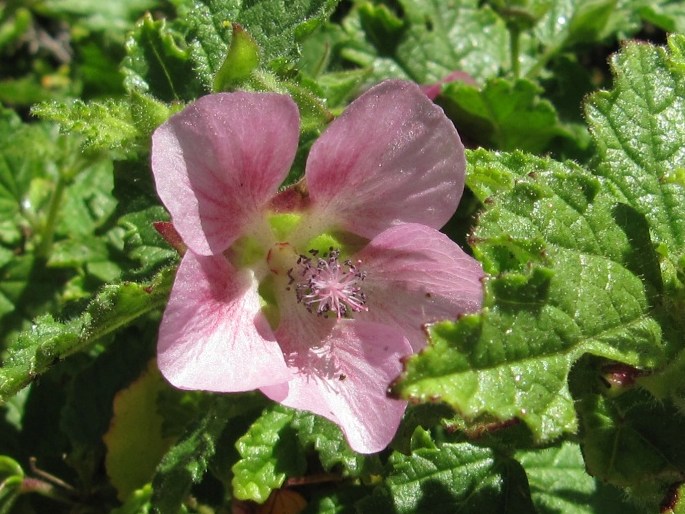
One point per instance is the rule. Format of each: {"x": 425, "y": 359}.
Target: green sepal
{"x": 242, "y": 58}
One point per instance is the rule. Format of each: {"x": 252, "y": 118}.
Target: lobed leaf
{"x": 503, "y": 114}
{"x": 327, "y": 439}
{"x": 450, "y": 477}
{"x": 639, "y": 130}
{"x": 428, "y": 42}
{"x": 159, "y": 63}
{"x": 48, "y": 341}
{"x": 584, "y": 266}
{"x": 564, "y": 288}
{"x": 123, "y": 125}
{"x": 106, "y": 124}
{"x": 207, "y": 26}
{"x": 633, "y": 428}
{"x": 559, "y": 483}
{"x": 633, "y": 442}
{"x": 268, "y": 455}
{"x": 187, "y": 461}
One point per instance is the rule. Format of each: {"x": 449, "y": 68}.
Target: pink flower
{"x": 314, "y": 294}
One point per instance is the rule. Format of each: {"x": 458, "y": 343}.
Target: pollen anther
{"x": 328, "y": 285}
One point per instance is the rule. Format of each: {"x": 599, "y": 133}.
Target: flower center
{"x": 328, "y": 285}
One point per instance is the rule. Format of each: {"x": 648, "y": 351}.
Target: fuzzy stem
{"x": 542, "y": 61}
{"x": 48, "y": 232}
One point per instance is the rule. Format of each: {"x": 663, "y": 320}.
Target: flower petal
{"x": 346, "y": 381}
{"x": 213, "y": 336}
{"x": 391, "y": 157}
{"x": 417, "y": 275}
{"x": 217, "y": 162}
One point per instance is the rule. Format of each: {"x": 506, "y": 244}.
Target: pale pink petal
{"x": 392, "y": 157}
{"x": 219, "y": 161}
{"x": 345, "y": 379}
{"x": 213, "y": 335}
{"x": 433, "y": 90}
{"x": 417, "y": 275}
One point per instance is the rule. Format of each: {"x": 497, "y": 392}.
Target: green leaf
{"x": 111, "y": 17}
{"x": 137, "y": 212}
{"x": 666, "y": 14}
{"x": 275, "y": 26}
{"x": 123, "y": 125}
{"x": 559, "y": 483}
{"x": 430, "y": 44}
{"x": 639, "y": 132}
{"x": 278, "y": 27}
{"x": 564, "y": 288}
{"x": 589, "y": 21}
{"x": 634, "y": 442}
{"x": 571, "y": 23}
{"x": 49, "y": 341}
{"x": 24, "y": 151}
{"x": 89, "y": 394}
{"x": 49, "y": 190}
{"x": 268, "y": 455}
{"x": 450, "y": 477}
{"x": 77, "y": 252}
{"x": 339, "y": 87}
{"x": 643, "y": 161}
{"x": 158, "y": 62}
{"x": 143, "y": 244}
{"x": 318, "y": 51}
{"x": 134, "y": 441}
{"x": 106, "y": 124}
{"x": 341, "y": 500}
{"x": 207, "y": 25}
{"x": 504, "y": 115}
{"x": 327, "y": 439}
{"x": 88, "y": 201}
{"x": 14, "y": 278}
{"x": 186, "y": 462}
